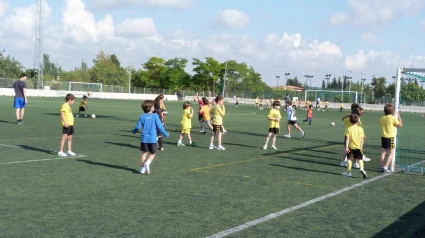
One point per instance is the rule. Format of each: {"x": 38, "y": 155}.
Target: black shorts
{"x": 68, "y": 131}
{"x": 274, "y": 130}
{"x": 148, "y": 147}
{"x": 292, "y": 122}
{"x": 387, "y": 143}
{"x": 261, "y": 104}
{"x": 217, "y": 128}
{"x": 355, "y": 154}
{"x": 200, "y": 117}
{"x": 82, "y": 109}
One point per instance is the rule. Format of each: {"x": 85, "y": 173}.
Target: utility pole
{"x": 277, "y": 85}
{"x": 38, "y": 36}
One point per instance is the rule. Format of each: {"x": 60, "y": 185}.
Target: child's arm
{"x": 347, "y": 142}
{"x": 221, "y": 110}
{"x": 160, "y": 127}
{"x": 65, "y": 124}
{"x": 87, "y": 106}
{"x": 190, "y": 115}
{"x": 343, "y": 118}
{"x": 400, "y": 124}
{"x": 138, "y": 126}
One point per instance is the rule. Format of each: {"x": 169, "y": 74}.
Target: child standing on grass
{"x": 217, "y": 113}
{"x": 388, "y": 124}
{"x": 83, "y": 107}
{"x": 157, "y": 110}
{"x": 274, "y": 128}
{"x": 292, "y": 120}
{"x": 309, "y": 115}
{"x": 149, "y": 123}
{"x": 341, "y": 106}
{"x": 354, "y": 146}
{"x": 67, "y": 125}
{"x": 186, "y": 123}
{"x": 205, "y": 111}
{"x": 237, "y": 101}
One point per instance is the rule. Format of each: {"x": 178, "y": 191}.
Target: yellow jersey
{"x": 83, "y": 104}
{"x": 274, "y": 114}
{"x": 388, "y": 123}
{"x": 326, "y": 103}
{"x": 356, "y": 134}
{"x": 67, "y": 112}
{"x": 341, "y": 105}
{"x": 162, "y": 106}
{"x": 256, "y": 100}
{"x": 271, "y": 101}
{"x": 348, "y": 124}
{"x": 186, "y": 119}
{"x": 217, "y": 113}
{"x": 205, "y": 110}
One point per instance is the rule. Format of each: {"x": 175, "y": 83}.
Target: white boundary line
{"x": 14, "y": 146}
{"x": 30, "y": 161}
{"x": 294, "y": 208}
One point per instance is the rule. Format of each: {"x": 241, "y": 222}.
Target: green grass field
{"x": 194, "y": 191}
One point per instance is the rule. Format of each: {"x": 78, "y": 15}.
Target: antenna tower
{"x": 38, "y": 54}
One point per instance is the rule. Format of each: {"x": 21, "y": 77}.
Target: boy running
{"x": 149, "y": 123}
{"x": 326, "y": 105}
{"x": 388, "y": 133}
{"x": 237, "y": 101}
{"x": 354, "y": 146}
{"x": 67, "y": 125}
{"x": 83, "y": 107}
{"x": 186, "y": 123}
{"x": 309, "y": 115}
{"x": 292, "y": 120}
{"x": 217, "y": 112}
{"x": 274, "y": 128}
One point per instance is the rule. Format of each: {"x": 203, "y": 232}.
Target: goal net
{"x": 332, "y": 96}
{"x": 84, "y": 87}
{"x": 410, "y": 140}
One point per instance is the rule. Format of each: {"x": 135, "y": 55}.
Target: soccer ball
{"x": 332, "y": 123}
{"x": 318, "y": 109}
{"x": 94, "y": 116}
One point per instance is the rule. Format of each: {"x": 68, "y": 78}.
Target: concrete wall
{"x": 78, "y": 94}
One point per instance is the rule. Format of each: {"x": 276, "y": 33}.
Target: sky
{"x": 359, "y": 38}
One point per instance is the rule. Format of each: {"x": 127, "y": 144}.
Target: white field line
{"x": 294, "y": 208}
{"x": 40, "y": 160}
{"x": 14, "y": 146}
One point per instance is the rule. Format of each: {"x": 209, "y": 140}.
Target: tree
{"x": 323, "y": 84}
{"x": 379, "y": 84}
{"x": 154, "y": 71}
{"x": 334, "y": 84}
{"x": 207, "y": 73}
{"x": 175, "y": 76}
{"x": 339, "y": 83}
{"x": 9, "y": 67}
{"x": 106, "y": 71}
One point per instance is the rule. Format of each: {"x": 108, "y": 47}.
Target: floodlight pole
{"x": 224, "y": 80}
{"x": 277, "y": 85}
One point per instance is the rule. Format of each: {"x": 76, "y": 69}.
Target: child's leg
{"x": 160, "y": 143}
{"x": 143, "y": 158}
{"x": 64, "y": 137}
{"x": 310, "y": 121}
{"x": 383, "y": 152}
{"x": 219, "y": 137}
{"x": 212, "y": 138}
{"x": 69, "y": 143}
{"x": 151, "y": 157}
{"x": 389, "y": 159}
{"x": 298, "y": 128}
{"x": 268, "y": 138}
{"x": 289, "y": 129}
{"x": 189, "y": 137}
{"x": 274, "y": 139}
{"x": 209, "y": 124}
{"x": 349, "y": 165}
{"x": 181, "y": 137}
{"x": 360, "y": 162}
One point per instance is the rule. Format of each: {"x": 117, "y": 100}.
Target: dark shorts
{"x": 82, "y": 109}
{"x": 217, "y": 128}
{"x": 355, "y": 154}
{"x": 149, "y": 147}
{"x": 387, "y": 143}
{"x": 274, "y": 130}
{"x": 68, "y": 131}
{"x": 200, "y": 117}
{"x": 292, "y": 122}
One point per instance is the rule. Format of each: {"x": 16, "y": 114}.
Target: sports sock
{"x": 349, "y": 165}
{"x": 160, "y": 141}
{"x": 180, "y": 141}
{"x": 361, "y": 164}
{"x": 148, "y": 162}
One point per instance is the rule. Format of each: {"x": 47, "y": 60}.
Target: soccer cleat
{"x": 224, "y": 132}
{"x": 287, "y": 135}
{"x": 192, "y": 144}
{"x": 211, "y": 147}
{"x": 180, "y": 144}
{"x": 274, "y": 147}
{"x": 386, "y": 171}
{"x": 356, "y": 166}
{"x": 61, "y": 154}
{"x": 348, "y": 174}
{"x": 365, "y": 159}
{"x": 161, "y": 149}
{"x": 86, "y": 116}
{"x": 71, "y": 153}
{"x": 221, "y": 148}
{"x": 363, "y": 173}
{"x": 147, "y": 169}
{"x": 343, "y": 164}
{"x": 302, "y": 134}
{"x": 142, "y": 169}
{"x": 202, "y": 131}
{"x": 77, "y": 115}
{"x": 265, "y": 147}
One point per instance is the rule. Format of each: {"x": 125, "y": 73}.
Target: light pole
{"x": 394, "y": 77}
{"x": 307, "y": 78}
{"x": 286, "y": 76}
{"x": 363, "y": 80}
{"x": 224, "y": 80}
{"x": 277, "y": 85}
{"x": 328, "y": 77}
{"x": 129, "y": 68}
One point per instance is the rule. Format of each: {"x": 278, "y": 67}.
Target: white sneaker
{"x": 147, "y": 169}
{"x": 221, "y": 148}
{"x": 265, "y": 147}
{"x": 71, "y": 153}
{"x": 365, "y": 159}
{"x": 348, "y": 174}
{"x": 77, "y": 115}
{"x": 356, "y": 166}
{"x": 224, "y": 132}
{"x": 287, "y": 135}
{"x": 85, "y": 115}
{"x": 61, "y": 154}
{"x": 343, "y": 164}
{"x": 142, "y": 169}
{"x": 211, "y": 147}
{"x": 274, "y": 147}
{"x": 202, "y": 131}
{"x": 363, "y": 173}
{"x": 302, "y": 134}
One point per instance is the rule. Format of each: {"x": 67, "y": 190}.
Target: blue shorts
{"x": 19, "y": 103}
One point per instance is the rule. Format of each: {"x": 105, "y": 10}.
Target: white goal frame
{"x": 332, "y": 91}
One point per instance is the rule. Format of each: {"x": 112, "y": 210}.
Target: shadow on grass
{"x": 97, "y": 117}
{"x": 411, "y": 224}
{"x": 304, "y": 169}
{"x": 255, "y": 147}
{"x": 9, "y": 122}
{"x": 38, "y": 149}
{"x": 123, "y": 144}
{"x": 109, "y": 165}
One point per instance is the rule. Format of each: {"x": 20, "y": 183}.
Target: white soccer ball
{"x": 318, "y": 109}
{"x": 94, "y": 116}
{"x": 332, "y": 123}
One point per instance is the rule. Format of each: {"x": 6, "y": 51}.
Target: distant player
{"x": 200, "y": 116}
{"x": 186, "y": 123}
{"x": 261, "y": 104}
{"x": 157, "y": 110}
{"x": 271, "y": 101}
{"x": 294, "y": 105}
{"x": 267, "y": 103}
{"x": 217, "y": 113}
{"x": 309, "y": 115}
{"x": 292, "y": 120}
{"x": 299, "y": 103}
{"x": 326, "y": 105}
{"x": 238, "y": 98}
{"x": 67, "y": 125}
{"x": 341, "y": 106}
{"x": 274, "y": 128}
{"x": 88, "y": 93}
{"x": 205, "y": 112}
{"x": 318, "y": 102}
{"x": 149, "y": 123}
{"x": 388, "y": 133}
{"x": 83, "y": 107}
{"x": 195, "y": 98}
{"x": 256, "y": 102}
{"x": 306, "y": 104}
{"x": 354, "y": 146}
{"x": 20, "y": 100}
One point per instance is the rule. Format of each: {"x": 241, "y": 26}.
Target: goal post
{"x": 409, "y": 142}
{"x": 332, "y": 96}
{"x": 84, "y": 87}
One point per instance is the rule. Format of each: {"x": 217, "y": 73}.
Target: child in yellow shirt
{"x": 186, "y": 123}
{"x": 67, "y": 125}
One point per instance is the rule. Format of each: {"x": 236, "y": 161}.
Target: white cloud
{"x": 370, "y": 38}
{"x": 230, "y": 18}
{"x": 80, "y": 25}
{"x": 170, "y": 3}
{"x": 376, "y": 12}
{"x": 110, "y": 4}
{"x": 3, "y": 8}
{"x": 136, "y": 28}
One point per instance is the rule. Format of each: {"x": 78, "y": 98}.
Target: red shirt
{"x": 310, "y": 112}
